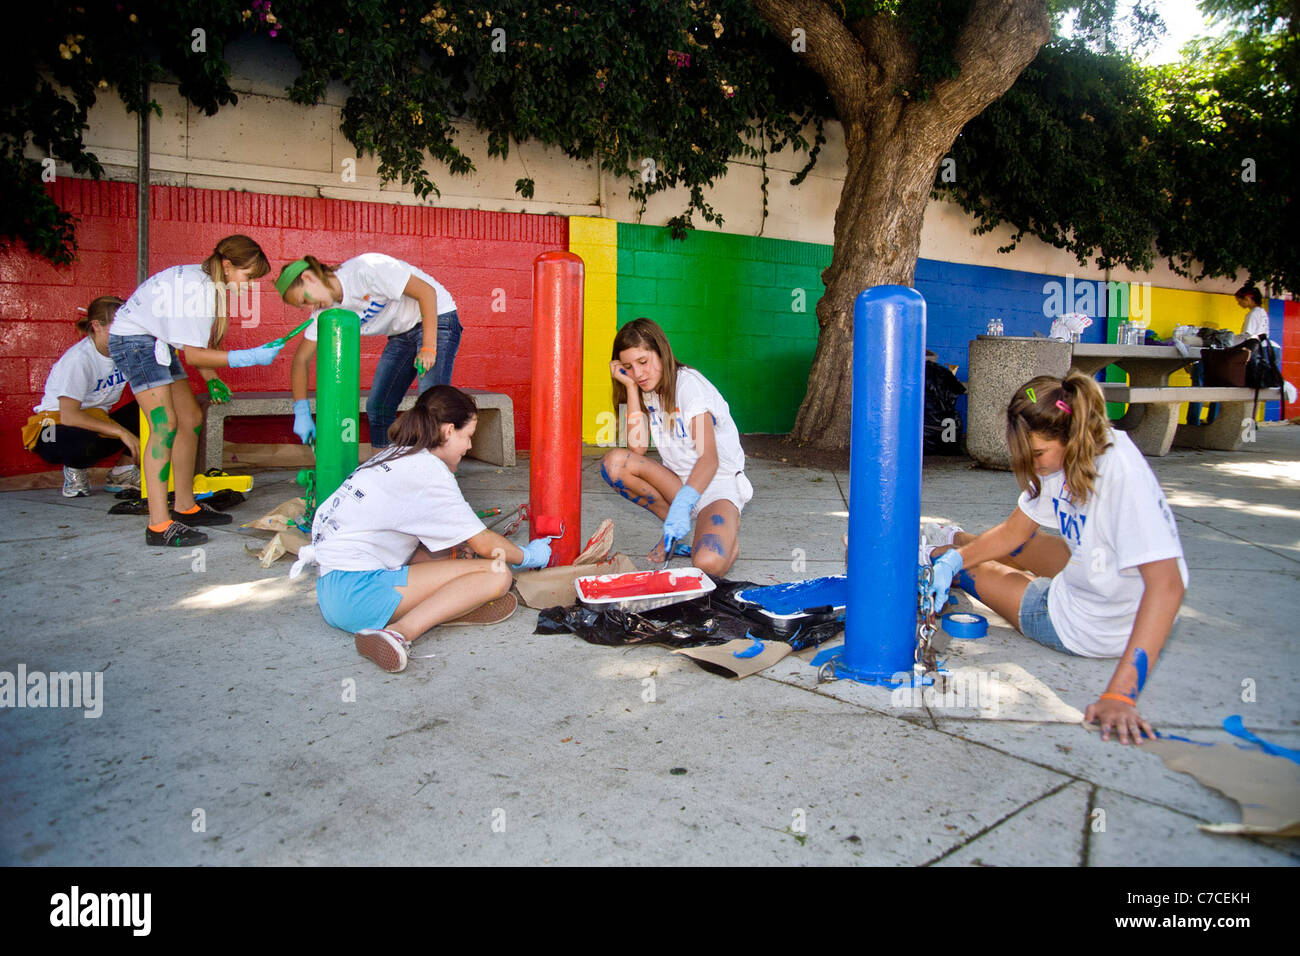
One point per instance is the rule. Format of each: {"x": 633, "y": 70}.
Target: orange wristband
{"x": 1128, "y": 700}
{"x": 633, "y": 416}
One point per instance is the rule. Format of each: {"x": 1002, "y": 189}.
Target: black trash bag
{"x": 943, "y": 426}
{"x": 717, "y": 619}
{"x": 225, "y": 499}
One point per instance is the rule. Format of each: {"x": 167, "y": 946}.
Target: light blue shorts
{"x": 1035, "y": 621}
{"x": 355, "y": 600}
{"x": 134, "y": 356}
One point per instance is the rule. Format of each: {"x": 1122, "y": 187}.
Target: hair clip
{"x": 81, "y": 311}
{"x": 1063, "y": 407}
{"x": 1030, "y": 393}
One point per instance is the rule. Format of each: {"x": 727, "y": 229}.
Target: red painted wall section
{"x": 1291, "y": 349}
{"x": 483, "y": 258}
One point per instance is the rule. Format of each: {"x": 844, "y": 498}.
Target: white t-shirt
{"x": 177, "y": 306}
{"x": 1126, "y": 522}
{"x": 671, "y": 433}
{"x": 381, "y": 513}
{"x": 373, "y": 288}
{"x": 1256, "y": 322}
{"x": 82, "y": 373}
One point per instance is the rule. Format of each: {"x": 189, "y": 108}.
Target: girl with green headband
{"x": 393, "y": 298}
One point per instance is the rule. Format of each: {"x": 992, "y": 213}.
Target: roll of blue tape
{"x": 963, "y": 625}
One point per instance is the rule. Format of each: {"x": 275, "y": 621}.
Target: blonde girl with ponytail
{"x": 184, "y": 308}
{"x": 1109, "y": 580}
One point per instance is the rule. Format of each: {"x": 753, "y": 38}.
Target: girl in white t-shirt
{"x": 376, "y": 538}
{"x": 182, "y": 308}
{"x": 1251, "y": 299}
{"x": 75, "y": 424}
{"x": 393, "y": 298}
{"x": 1112, "y": 583}
{"x": 703, "y": 470}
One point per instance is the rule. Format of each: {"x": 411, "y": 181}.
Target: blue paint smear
{"x": 712, "y": 542}
{"x": 1140, "y": 662}
{"x": 1237, "y": 728}
{"x": 718, "y": 519}
{"x": 1027, "y": 540}
{"x": 617, "y": 485}
{"x": 1186, "y": 740}
{"x": 797, "y": 596}
{"x": 964, "y": 581}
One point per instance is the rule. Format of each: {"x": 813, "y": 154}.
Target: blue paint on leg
{"x": 964, "y": 581}
{"x": 712, "y": 542}
{"x": 645, "y": 501}
{"x": 717, "y": 520}
{"x": 1027, "y": 540}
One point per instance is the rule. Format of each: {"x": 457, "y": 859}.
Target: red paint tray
{"x": 638, "y": 591}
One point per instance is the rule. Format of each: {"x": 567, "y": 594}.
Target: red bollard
{"x": 555, "y": 461}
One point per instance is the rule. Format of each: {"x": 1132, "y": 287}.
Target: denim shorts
{"x": 134, "y": 357}
{"x": 1035, "y": 621}
{"x": 355, "y": 600}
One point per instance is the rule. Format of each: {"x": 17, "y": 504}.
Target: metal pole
{"x": 880, "y": 624}
{"x": 142, "y": 189}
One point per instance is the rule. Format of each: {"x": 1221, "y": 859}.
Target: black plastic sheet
{"x": 715, "y": 619}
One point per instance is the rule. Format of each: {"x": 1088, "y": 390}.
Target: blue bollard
{"x": 884, "y": 487}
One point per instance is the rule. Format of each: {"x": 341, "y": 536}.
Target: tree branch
{"x": 833, "y": 52}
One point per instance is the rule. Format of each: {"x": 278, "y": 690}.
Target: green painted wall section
{"x": 729, "y": 305}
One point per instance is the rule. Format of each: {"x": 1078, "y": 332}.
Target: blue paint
{"x": 718, "y": 519}
{"x": 964, "y": 581}
{"x": 1237, "y": 728}
{"x": 1186, "y": 740}
{"x": 645, "y": 501}
{"x": 1027, "y": 540}
{"x": 752, "y": 651}
{"x": 1140, "y": 662}
{"x": 798, "y": 596}
{"x": 683, "y": 550}
{"x": 712, "y": 542}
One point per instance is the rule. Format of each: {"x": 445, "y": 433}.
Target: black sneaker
{"x": 205, "y": 516}
{"x": 175, "y": 535}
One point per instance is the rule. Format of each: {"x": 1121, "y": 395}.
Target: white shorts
{"x": 734, "y": 488}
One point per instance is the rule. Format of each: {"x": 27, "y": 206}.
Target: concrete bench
{"x": 1234, "y": 424}
{"x": 494, "y": 438}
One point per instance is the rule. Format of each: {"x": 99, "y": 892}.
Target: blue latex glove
{"x": 303, "y": 426}
{"x": 945, "y": 569}
{"x": 537, "y": 554}
{"x": 244, "y": 358}
{"x": 678, "y": 523}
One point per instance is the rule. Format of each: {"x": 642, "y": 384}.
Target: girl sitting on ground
{"x": 703, "y": 470}
{"x": 377, "y": 537}
{"x": 1112, "y": 584}
{"x": 74, "y": 424}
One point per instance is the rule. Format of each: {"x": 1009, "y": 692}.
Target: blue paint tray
{"x": 789, "y": 605}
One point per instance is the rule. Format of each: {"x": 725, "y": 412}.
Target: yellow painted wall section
{"x": 1166, "y": 309}
{"x": 596, "y": 241}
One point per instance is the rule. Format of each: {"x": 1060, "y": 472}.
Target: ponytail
{"x": 242, "y": 253}
{"x": 101, "y": 311}
{"x": 1070, "y": 410}
{"x": 420, "y": 429}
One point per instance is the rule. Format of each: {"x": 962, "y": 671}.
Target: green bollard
{"x": 338, "y": 399}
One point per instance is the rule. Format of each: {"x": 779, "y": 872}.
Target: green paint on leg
{"x": 166, "y": 472}
{"x": 198, "y": 429}
{"x": 169, "y": 438}
{"x": 158, "y": 417}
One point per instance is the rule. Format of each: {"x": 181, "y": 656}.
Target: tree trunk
{"x": 894, "y": 145}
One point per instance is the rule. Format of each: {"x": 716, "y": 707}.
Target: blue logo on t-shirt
{"x": 1072, "y": 523}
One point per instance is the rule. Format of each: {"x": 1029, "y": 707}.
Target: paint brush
{"x": 282, "y": 340}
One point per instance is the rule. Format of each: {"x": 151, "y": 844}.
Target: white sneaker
{"x": 935, "y": 535}
{"x": 121, "y": 478}
{"x": 76, "y": 482}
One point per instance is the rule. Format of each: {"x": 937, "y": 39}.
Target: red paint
{"x": 472, "y": 253}
{"x": 555, "y": 467}
{"x": 636, "y": 584}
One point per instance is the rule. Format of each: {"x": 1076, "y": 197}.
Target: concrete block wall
{"x": 484, "y": 259}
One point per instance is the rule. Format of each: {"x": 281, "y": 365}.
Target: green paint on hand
{"x": 218, "y": 391}
{"x": 166, "y": 471}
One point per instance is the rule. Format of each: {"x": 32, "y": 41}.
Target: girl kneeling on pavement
{"x": 375, "y": 539}
{"x": 1112, "y": 584}
{"x": 74, "y": 425}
